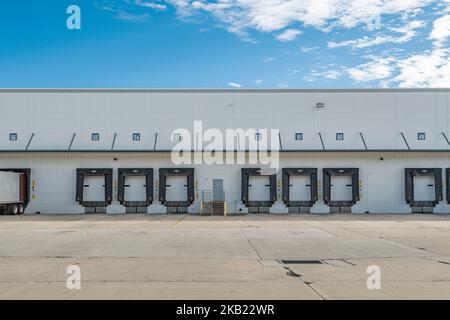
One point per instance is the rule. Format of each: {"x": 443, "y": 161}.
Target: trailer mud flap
{"x": 340, "y": 205}
{"x": 135, "y": 206}
{"x": 296, "y": 205}
{"x": 257, "y": 206}
{"x": 177, "y": 205}
{"x": 94, "y": 206}
{"x": 422, "y": 198}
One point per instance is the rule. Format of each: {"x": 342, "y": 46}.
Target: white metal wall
{"x": 379, "y": 115}
{"x": 382, "y": 181}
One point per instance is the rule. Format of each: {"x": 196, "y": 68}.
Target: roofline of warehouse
{"x": 212, "y": 90}
{"x": 236, "y": 151}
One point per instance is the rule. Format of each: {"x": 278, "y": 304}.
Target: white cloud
{"x": 240, "y": 16}
{"x": 183, "y": 7}
{"x": 441, "y": 30}
{"x": 285, "y": 18}
{"x": 284, "y": 85}
{"x": 234, "y": 85}
{"x": 132, "y": 17}
{"x": 427, "y": 70}
{"x": 153, "y": 5}
{"x": 330, "y": 72}
{"x": 431, "y": 69}
{"x": 269, "y": 59}
{"x": 408, "y": 31}
{"x": 417, "y": 70}
{"x": 308, "y": 49}
{"x": 379, "y": 68}
{"x": 124, "y": 11}
{"x": 288, "y": 35}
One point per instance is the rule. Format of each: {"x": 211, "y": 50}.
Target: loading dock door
{"x": 424, "y": 188}
{"x": 259, "y": 188}
{"x": 94, "y": 188}
{"x": 300, "y": 188}
{"x": 341, "y": 188}
{"x": 176, "y": 188}
{"x": 258, "y": 192}
{"x": 135, "y": 188}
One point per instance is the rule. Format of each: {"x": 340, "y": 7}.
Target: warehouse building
{"x": 111, "y": 151}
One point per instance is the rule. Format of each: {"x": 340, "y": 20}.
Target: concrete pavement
{"x": 237, "y": 257}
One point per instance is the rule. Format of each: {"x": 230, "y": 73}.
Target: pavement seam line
{"x": 251, "y": 244}
{"x": 172, "y": 226}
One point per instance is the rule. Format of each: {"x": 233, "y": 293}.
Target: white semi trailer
{"x": 12, "y": 192}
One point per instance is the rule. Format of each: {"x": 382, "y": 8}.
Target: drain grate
{"x": 301, "y": 262}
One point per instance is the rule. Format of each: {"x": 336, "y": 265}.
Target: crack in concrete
{"x": 307, "y": 283}
{"x": 327, "y": 261}
{"x": 183, "y": 244}
{"x": 438, "y": 261}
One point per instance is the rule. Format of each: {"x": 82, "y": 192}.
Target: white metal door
{"x": 176, "y": 188}
{"x": 135, "y": 188}
{"x": 341, "y": 188}
{"x": 424, "y": 188}
{"x": 299, "y": 188}
{"x": 259, "y": 188}
{"x": 94, "y": 188}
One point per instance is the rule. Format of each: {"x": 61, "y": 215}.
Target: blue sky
{"x": 226, "y": 43}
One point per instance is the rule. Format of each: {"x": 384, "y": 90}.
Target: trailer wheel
{"x": 13, "y": 209}
{"x": 21, "y": 209}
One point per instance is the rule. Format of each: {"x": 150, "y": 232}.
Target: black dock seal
{"x": 27, "y": 173}
{"x": 410, "y": 173}
{"x": 328, "y": 173}
{"x": 246, "y": 173}
{"x": 166, "y": 172}
{"x": 126, "y": 172}
{"x": 289, "y": 172}
{"x": 447, "y": 178}
{"x": 81, "y": 174}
